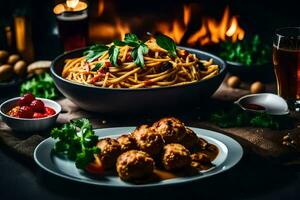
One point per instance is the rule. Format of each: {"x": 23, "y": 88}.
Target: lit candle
{"x": 72, "y": 19}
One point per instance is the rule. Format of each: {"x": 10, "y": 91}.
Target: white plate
{"x": 230, "y": 152}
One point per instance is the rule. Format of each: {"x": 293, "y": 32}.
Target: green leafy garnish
{"x": 77, "y": 141}
{"x": 139, "y": 48}
{"x": 95, "y": 51}
{"x": 236, "y": 117}
{"x": 113, "y": 55}
{"x": 97, "y": 67}
{"x": 137, "y": 54}
{"x": 41, "y": 85}
{"x": 246, "y": 52}
{"x": 167, "y": 43}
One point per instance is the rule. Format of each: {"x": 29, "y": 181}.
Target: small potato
{"x": 3, "y": 55}
{"x": 6, "y": 72}
{"x": 257, "y": 87}
{"x": 12, "y": 59}
{"x": 20, "y": 68}
{"x": 233, "y": 81}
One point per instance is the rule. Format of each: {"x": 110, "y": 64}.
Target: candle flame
{"x": 72, "y": 3}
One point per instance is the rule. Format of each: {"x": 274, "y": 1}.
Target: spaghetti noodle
{"x": 159, "y": 70}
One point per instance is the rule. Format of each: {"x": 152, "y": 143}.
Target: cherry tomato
{"x": 49, "y": 111}
{"x": 108, "y": 64}
{"x": 25, "y": 112}
{"x": 129, "y": 58}
{"x": 38, "y": 106}
{"x": 95, "y": 167}
{"x": 26, "y": 99}
{"x": 39, "y": 115}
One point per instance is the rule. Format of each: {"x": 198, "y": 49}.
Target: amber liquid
{"x": 287, "y": 69}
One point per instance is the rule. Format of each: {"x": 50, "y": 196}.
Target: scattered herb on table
{"x": 247, "y": 52}
{"x": 77, "y": 141}
{"x": 41, "y": 85}
{"x": 239, "y": 118}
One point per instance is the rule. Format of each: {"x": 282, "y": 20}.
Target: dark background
{"x": 256, "y": 16}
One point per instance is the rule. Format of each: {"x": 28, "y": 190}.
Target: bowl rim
{"x": 223, "y": 69}
{"x": 30, "y": 119}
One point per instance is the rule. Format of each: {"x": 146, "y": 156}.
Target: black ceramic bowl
{"x": 107, "y": 100}
{"x": 263, "y": 72}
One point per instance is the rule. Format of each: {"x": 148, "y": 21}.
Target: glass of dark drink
{"x": 72, "y": 21}
{"x": 286, "y": 60}
{"x": 73, "y": 30}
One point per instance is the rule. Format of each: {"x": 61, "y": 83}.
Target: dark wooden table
{"x": 253, "y": 178}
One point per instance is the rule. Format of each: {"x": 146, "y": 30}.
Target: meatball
{"x": 190, "y": 138}
{"x": 175, "y": 156}
{"x": 134, "y": 164}
{"x": 127, "y": 142}
{"x": 171, "y": 129}
{"x": 110, "y": 150}
{"x": 148, "y": 140}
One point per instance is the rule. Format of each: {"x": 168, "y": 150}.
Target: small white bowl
{"x": 273, "y": 104}
{"x": 29, "y": 125}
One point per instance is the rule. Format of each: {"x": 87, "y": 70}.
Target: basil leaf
{"x": 95, "y": 51}
{"x": 113, "y": 55}
{"x": 119, "y": 43}
{"x": 166, "y": 43}
{"x": 138, "y": 54}
{"x": 130, "y": 37}
{"x": 97, "y": 67}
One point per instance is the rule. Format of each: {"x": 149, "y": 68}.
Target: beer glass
{"x": 286, "y": 60}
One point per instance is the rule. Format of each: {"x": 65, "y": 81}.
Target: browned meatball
{"x": 190, "y": 139}
{"x": 110, "y": 150}
{"x": 127, "y": 142}
{"x": 175, "y": 156}
{"x": 148, "y": 140}
{"x": 134, "y": 164}
{"x": 171, "y": 129}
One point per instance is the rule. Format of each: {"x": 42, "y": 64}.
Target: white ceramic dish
{"x": 29, "y": 125}
{"x": 230, "y": 152}
{"x": 273, "y": 104}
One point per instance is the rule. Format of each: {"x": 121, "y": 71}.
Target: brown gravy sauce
{"x": 252, "y": 106}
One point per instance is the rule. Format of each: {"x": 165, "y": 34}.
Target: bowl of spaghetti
{"x": 136, "y": 76}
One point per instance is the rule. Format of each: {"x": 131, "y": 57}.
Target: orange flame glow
{"x": 178, "y": 29}
{"x": 122, "y": 28}
{"x": 100, "y": 7}
{"x": 213, "y": 32}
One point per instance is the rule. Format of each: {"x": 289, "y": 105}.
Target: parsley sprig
{"x": 77, "y": 141}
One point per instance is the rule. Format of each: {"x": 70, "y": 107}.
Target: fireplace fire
{"x": 209, "y": 30}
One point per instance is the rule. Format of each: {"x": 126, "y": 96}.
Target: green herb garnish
{"x": 246, "y": 52}
{"x": 77, "y": 141}
{"x": 41, "y": 85}
{"x": 97, "y": 67}
{"x": 113, "y": 55}
{"x": 167, "y": 43}
{"x": 95, "y": 51}
{"x": 137, "y": 54}
{"x": 236, "y": 117}
{"x": 139, "y": 48}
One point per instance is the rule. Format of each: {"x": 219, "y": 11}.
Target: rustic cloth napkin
{"x": 264, "y": 142}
